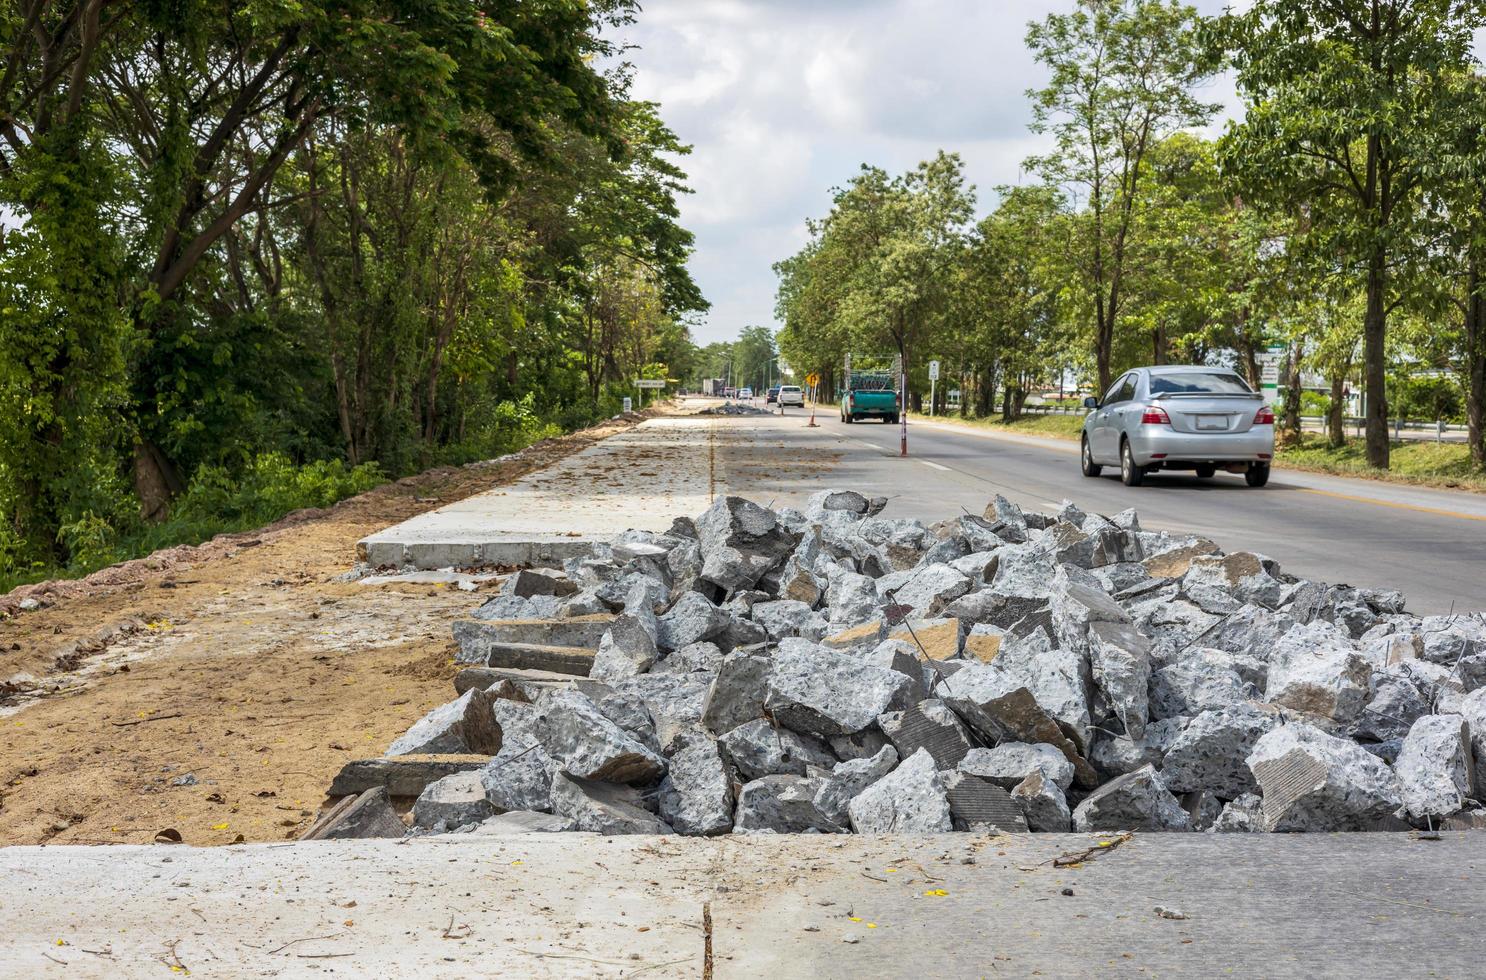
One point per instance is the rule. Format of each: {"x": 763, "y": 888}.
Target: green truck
{"x": 869, "y": 395}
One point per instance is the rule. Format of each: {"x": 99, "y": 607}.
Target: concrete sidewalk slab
{"x": 567, "y": 905}
{"x": 641, "y": 478}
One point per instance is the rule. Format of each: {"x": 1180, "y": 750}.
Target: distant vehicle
{"x": 791, "y": 395}
{"x": 730, "y": 392}
{"x": 745, "y": 393}
{"x": 1179, "y": 418}
{"x": 713, "y": 386}
{"x": 869, "y": 394}
{"x": 773, "y": 395}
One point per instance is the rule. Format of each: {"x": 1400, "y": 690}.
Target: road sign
{"x": 628, "y": 405}
{"x": 812, "y": 379}
{"x": 649, "y": 383}
{"x": 933, "y": 370}
{"x": 1269, "y": 370}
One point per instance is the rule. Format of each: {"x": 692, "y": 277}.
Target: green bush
{"x": 215, "y": 502}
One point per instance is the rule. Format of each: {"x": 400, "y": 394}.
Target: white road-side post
{"x": 903, "y": 414}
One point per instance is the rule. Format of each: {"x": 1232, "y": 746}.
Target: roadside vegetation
{"x": 1336, "y": 229}
{"x": 259, "y": 257}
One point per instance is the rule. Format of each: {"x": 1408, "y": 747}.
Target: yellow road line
{"x": 1438, "y": 511}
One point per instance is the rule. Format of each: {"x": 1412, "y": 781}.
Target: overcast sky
{"x": 785, "y": 99}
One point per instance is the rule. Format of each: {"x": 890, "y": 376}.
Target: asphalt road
{"x": 1431, "y": 544}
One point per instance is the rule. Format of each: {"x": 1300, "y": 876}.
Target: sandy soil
{"x": 216, "y": 690}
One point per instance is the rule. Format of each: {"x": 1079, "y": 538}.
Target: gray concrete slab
{"x": 804, "y": 906}
{"x": 640, "y": 478}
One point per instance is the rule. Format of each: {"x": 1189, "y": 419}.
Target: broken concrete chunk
{"x": 929, "y": 725}
{"x": 848, "y": 779}
{"x": 852, "y": 599}
{"x": 909, "y": 800}
{"x": 524, "y": 822}
{"x": 823, "y": 693}
{"x": 370, "y": 816}
{"x": 1245, "y": 576}
{"x": 1011, "y": 762}
{"x": 1314, "y": 781}
{"x": 737, "y": 694}
{"x": 978, "y": 805}
{"x": 1332, "y": 685}
{"x": 696, "y": 797}
{"x": 454, "y": 801}
{"x": 1195, "y": 684}
{"x": 1002, "y": 710}
{"x": 675, "y": 703}
{"x": 781, "y": 805}
{"x": 626, "y": 649}
{"x": 1115, "y": 755}
{"x": 1210, "y": 753}
{"x": 693, "y": 618}
{"x": 1042, "y": 804}
{"x": 586, "y": 744}
{"x": 1397, "y": 700}
{"x": 758, "y": 749}
{"x": 1243, "y": 815}
{"x": 529, "y": 582}
{"x": 1135, "y": 801}
{"x": 1473, "y": 708}
{"x": 704, "y": 656}
{"x": 519, "y": 779}
{"x": 603, "y": 808}
{"x": 930, "y": 589}
{"x": 1436, "y": 772}
{"x": 740, "y": 542}
{"x": 404, "y": 775}
{"x": 788, "y": 617}
{"x": 465, "y": 725}
{"x": 1120, "y": 660}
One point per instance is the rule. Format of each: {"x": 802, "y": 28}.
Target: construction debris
{"x": 831, "y": 670}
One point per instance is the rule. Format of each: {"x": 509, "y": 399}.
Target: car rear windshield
{"x": 1199, "y": 383}
{"x": 790, "y": 388}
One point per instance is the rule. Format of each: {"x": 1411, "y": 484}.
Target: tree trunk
{"x": 1374, "y": 331}
{"x": 1475, "y": 361}
{"x": 155, "y": 481}
{"x": 985, "y": 389}
{"x": 1292, "y": 395}
{"x": 1336, "y": 432}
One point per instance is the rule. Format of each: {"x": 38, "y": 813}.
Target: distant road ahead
{"x": 1429, "y": 543}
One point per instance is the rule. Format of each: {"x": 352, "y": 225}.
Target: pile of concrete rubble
{"x": 754, "y": 671}
{"x": 733, "y": 408}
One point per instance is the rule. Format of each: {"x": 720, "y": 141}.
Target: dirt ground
{"x": 215, "y": 691}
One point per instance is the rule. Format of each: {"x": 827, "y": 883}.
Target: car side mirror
{"x": 1091, "y": 403}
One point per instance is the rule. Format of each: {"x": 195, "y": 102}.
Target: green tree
{"x": 1122, "y": 78}
{"x": 1343, "y": 117}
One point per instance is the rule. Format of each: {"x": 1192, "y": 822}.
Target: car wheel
{"x": 1130, "y": 474}
{"x": 890, "y": 419}
{"x": 1258, "y": 474}
{"x": 1206, "y": 471}
{"x": 1086, "y": 460}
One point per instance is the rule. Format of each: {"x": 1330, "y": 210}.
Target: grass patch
{"x": 1056, "y": 426}
{"x": 1424, "y": 463}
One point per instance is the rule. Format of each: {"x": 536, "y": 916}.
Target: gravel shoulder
{"x": 214, "y": 690}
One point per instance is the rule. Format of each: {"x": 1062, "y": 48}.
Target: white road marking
{"x": 935, "y": 465}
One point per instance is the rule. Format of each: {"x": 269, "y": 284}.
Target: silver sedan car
{"x": 1179, "y": 418}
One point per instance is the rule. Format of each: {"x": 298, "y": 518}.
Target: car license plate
{"x": 1207, "y": 423}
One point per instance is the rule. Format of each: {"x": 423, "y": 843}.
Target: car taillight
{"x": 1154, "y": 415}
{"x": 1265, "y": 416}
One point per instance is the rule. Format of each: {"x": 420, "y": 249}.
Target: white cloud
{"x": 785, "y": 100}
